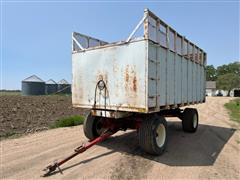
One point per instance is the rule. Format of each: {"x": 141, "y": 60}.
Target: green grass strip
{"x": 68, "y": 121}
{"x": 234, "y": 109}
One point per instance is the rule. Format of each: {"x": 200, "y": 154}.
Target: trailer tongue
{"x": 107, "y": 126}
{"x": 51, "y": 168}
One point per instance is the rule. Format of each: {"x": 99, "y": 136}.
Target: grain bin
{"x": 33, "y": 85}
{"x": 51, "y": 87}
{"x": 64, "y": 87}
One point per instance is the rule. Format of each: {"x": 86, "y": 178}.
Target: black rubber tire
{"x": 147, "y": 134}
{"x": 89, "y": 127}
{"x": 188, "y": 120}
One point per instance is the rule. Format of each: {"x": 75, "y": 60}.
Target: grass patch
{"x": 6, "y": 93}
{"x": 68, "y": 121}
{"x": 9, "y": 135}
{"x": 234, "y": 109}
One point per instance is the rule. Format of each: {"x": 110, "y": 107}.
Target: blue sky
{"x": 36, "y": 36}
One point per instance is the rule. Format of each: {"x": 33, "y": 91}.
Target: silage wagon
{"x": 136, "y": 83}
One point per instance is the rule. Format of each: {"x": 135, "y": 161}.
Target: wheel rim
{"x": 160, "y": 135}
{"x": 195, "y": 121}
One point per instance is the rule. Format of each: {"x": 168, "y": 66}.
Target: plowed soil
{"x": 25, "y": 114}
{"x": 210, "y": 153}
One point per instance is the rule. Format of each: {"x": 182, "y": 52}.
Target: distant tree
{"x": 211, "y": 73}
{"x": 229, "y": 68}
{"x": 228, "y": 82}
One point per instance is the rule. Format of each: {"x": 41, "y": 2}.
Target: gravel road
{"x": 211, "y": 153}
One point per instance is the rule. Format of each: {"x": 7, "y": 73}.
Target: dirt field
{"x": 211, "y": 153}
{"x": 25, "y": 114}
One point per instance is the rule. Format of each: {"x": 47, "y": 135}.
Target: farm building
{"x": 64, "y": 87}
{"x": 236, "y": 92}
{"x": 233, "y": 93}
{"x": 51, "y": 87}
{"x": 33, "y": 85}
{"x": 210, "y": 88}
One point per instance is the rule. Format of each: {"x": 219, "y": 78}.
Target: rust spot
{"x": 130, "y": 83}
{"x": 115, "y": 66}
{"x": 93, "y": 112}
{"x": 134, "y": 84}
{"x": 127, "y": 74}
{"x": 102, "y": 76}
{"x": 112, "y": 114}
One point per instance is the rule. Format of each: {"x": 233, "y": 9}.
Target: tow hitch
{"x": 51, "y": 168}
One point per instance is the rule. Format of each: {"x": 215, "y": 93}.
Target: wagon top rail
{"x": 155, "y": 30}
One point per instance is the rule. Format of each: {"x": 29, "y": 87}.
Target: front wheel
{"x": 190, "y": 120}
{"x": 93, "y": 126}
{"x": 153, "y": 134}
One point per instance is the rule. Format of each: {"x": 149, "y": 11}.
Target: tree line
{"x": 227, "y": 76}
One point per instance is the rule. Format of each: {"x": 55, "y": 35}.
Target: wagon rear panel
{"x": 123, "y": 69}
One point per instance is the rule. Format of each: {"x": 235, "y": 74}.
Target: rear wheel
{"x": 190, "y": 120}
{"x": 93, "y": 126}
{"x": 153, "y": 134}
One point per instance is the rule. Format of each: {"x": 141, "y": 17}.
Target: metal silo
{"x": 33, "y": 85}
{"x": 51, "y": 87}
{"x": 64, "y": 87}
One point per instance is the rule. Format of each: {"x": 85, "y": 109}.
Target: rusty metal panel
{"x": 122, "y": 67}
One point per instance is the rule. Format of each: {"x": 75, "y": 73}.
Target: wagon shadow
{"x": 184, "y": 149}
{"x": 199, "y": 149}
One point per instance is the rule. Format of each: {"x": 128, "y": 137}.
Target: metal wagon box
{"x": 160, "y": 70}
{"x": 136, "y": 83}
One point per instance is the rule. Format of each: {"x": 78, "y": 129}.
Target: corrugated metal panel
{"x": 51, "y": 87}
{"x": 63, "y": 81}
{"x": 178, "y": 82}
{"x": 178, "y": 79}
{"x": 190, "y": 81}
{"x": 51, "y": 81}
{"x": 33, "y": 88}
{"x": 184, "y": 81}
{"x": 64, "y": 87}
{"x": 33, "y": 85}
{"x": 152, "y": 76}
{"x": 194, "y": 90}
{"x": 170, "y": 78}
{"x": 162, "y": 78}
